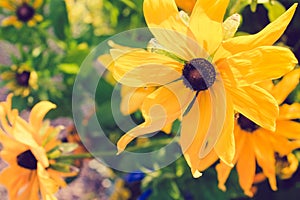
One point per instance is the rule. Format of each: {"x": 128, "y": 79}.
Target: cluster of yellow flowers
{"x": 84, "y": 12}
{"x": 30, "y": 148}
{"x": 219, "y": 86}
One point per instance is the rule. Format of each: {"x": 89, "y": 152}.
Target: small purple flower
{"x": 134, "y": 176}
{"x": 145, "y": 195}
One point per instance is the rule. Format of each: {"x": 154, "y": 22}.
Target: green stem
{"x": 112, "y": 153}
{"x": 75, "y": 156}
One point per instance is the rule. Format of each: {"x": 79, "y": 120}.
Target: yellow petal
{"x": 246, "y": 167}
{"x": 166, "y": 25}
{"x": 162, "y": 12}
{"x": 160, "y": 108}
{"x": 216, "y": 134}
{"x": 267, "y": 85}
{"x": 132, "y": 98}
{"x": 208, "y": 160}
{"x": 195, "y": 125}
{"x": 37, "y": 3}
{"x": 206, "y": 23}
{"x": 289, "y": 111}
{"x": 256, "y": 104}
{"x": 168, "y": 128}
{"x": 174, "y": 98}
{"x": 7, "y": 5}
{"x": 107, "y": 61}
{"x": 31, "y": 23}
{"x": 186, "y": 5}
{"x": 265, "y": 156}
{"x": 48, "y": 186}
{"x": 225, "y": 146}
{"x": 223, "y": 172}
{"x": 289, "y": 129}
{"x": 38, "y": 18}
{"x": 153, "y": 69}
{"x": 32, "y": 189}
{"x": 38, "y": 113}
{"x": 267, "y": 36}
{"x": 281, "y": 144}
{"x": 9, "y": 21}
{"x": 262, "y": 63}
{"x": 215, "y": 10}
{"x": 286, "y": 85}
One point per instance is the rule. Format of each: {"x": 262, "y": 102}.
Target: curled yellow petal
{"x": 286, "y": 85}
{"x": 289, "y": 111}
{"x": 267, "y": 36}
{"x": 38, "y": 113}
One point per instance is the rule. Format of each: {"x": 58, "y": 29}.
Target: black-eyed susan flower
{"x": 22, "y": 12}
{"x": 203, "y": 74}
{"x": 21, "y": 80}
{"x": 26, "y": 147}
{"x": 270, "y": 150}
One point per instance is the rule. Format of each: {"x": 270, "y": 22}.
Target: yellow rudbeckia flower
{"x": 255, "y": 144}
{"x": 25, "y": 146}
{"x": 23, "y": 12}
{"x": 203, "y": 76}
{"x": 21, "y": 80}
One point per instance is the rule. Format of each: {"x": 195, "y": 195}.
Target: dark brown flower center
{"x": 25, "y": 12}
{"x": 246, "y": 124}
{"x": 282, "y": 159}
{"x": 199, "y": 74}
{"x": 23, "y": 78}
{"x": 27, "y": 160}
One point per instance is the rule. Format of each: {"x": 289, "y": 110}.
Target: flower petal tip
{"x": 196, "y": 174}
{"x": 119, "y": 151}
{"x": 249, "y": 193}
{"x": 222, "y": 187}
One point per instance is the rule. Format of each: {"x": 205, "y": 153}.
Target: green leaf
{"x": 129, "y": 3}
{"x": 61, "y": 167}
{"x": 67, "y": 147}
{"x": 274, "y": 10}
{"x": 59, "y": 18}
{"x": 69, "y": 68}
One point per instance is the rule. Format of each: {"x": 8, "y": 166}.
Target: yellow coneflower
{"x": 270, "y": 150}
{"x": 20, "y": 79}
{"x": 26, "y": 145}
{"x": 22, "y": 12}
{"x": 190, "y": 81}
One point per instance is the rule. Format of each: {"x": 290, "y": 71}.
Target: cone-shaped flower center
{"x": 25, "y": 12}
{"x": 281, "y": 160}
{"x": 246, "y": 124}
{"x": 27, "y": 160}
{"x": 23, "y": 78}
{"x": 199, "y": 74}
